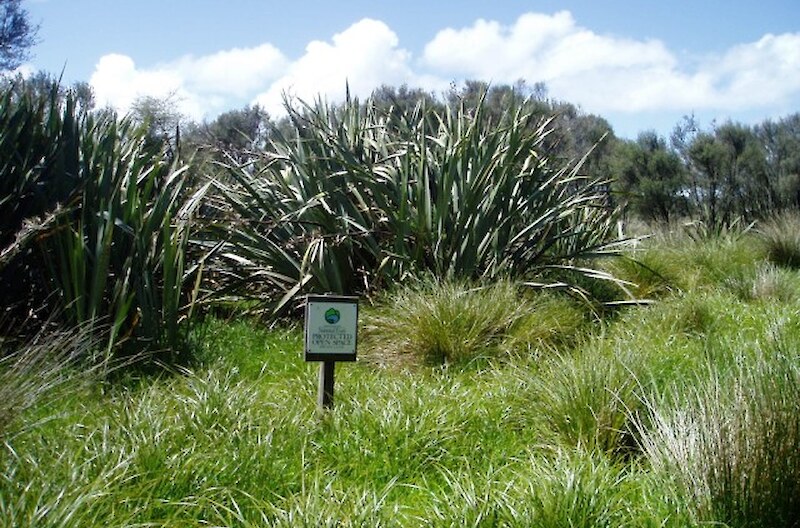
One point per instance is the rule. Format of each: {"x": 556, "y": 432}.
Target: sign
{"x": 331, "y": 328}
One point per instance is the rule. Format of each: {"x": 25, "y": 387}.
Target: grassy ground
{"x": 532, "y": 412}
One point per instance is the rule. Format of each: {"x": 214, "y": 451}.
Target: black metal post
{"x": 325, "y": 396}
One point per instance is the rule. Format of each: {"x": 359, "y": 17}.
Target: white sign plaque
{"x": 331, "y": 328}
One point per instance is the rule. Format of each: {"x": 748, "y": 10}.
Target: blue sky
{"x": 640, "y": 64}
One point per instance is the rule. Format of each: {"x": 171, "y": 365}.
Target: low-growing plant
{"x": 441, "y": 322}
{"x": 562, "y": 488}
{"x": 645, "y": 272}
{"x": 733, "y": 445}
{"x": 592, "y": 397}
{"x": 780, "y": 236}
{"x": 768, "y": 283}
{"x": 39, "y": 371}
{"x": 587, "y": 401}
{"x": 551, "y": 323}
{"x": 689, "y": 262}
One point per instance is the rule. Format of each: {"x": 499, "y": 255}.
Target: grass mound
{"x": 781, "y": 239}
{"x": 452, "y": 322}
{"x": 734, "y": 444}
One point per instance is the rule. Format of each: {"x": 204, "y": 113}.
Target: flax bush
{"x": 353, "y": 199}
{"x": 95, "y": 221}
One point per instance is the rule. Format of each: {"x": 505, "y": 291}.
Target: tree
{"x": 781, "y": 143}
{"x": 651, "y": 176}
{"x": 237, "y": 130}
{"x": 402, "y": 100}
{"x": 162, "y": 119}
{"x": 17, "y": 34}
{"x": 43, "y": 83}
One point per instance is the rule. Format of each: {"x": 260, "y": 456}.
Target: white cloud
{"x": 238, "y": 71}
{"x": 603, "y": 73}
{"x": 117, "y": 82}
{"x": 200, "y": 85}
{"x": 488, "y": 50}
{"x": 363, "y": 56}
{"x": 759, "y": 73}
{"x": 611, "y": 74}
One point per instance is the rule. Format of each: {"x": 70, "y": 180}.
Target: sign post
{"x": 331, "y": 331}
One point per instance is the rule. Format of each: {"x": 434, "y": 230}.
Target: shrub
{"x": 355, "y": 199}
{"x": 97, "y": 223}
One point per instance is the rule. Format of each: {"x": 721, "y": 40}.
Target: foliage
{"x": 779, "y": 141}
{"x": 781, "y": 238}
{"x": 733, "y": 445}
{"x": 38, "y": 138}
{"x": 40, "y": 371}
{"x": 356, "y": 199}
{"x": 688, "y": 258}
{"x": 651, "y": 178}
{"x": 17, "y": 34}
{"x": 443, "y": 323}
{"x": 681, "y": 413}
{"x": 96, "y": 220}
{"x": 234, "y": 132}
{"x": 210, "y": 447}
{"x": 123, "y": 255}
{"x": 719, "y": 176}
{"x": 161, "y": 119}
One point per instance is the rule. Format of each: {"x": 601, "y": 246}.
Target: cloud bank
{"x": 201, "y": 86}
{"x": 602, "y": 73}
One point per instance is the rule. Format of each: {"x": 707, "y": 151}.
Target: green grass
{"x": 456, "y": 323}
{"x": 780, "y": 237}
{"x": 680, "y": 413}
{"x": 33, "y": 376}
{"x": 733, "y": 444}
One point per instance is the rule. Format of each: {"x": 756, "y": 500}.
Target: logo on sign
{"x": 332, "y": 316}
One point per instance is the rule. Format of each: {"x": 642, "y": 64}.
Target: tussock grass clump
{"x": 586, "y": 401}
{"x": 592, "y": 397}
{"x": 443, "y": 322}
{"x": 552, "y": 323}
{"x": 767, "y": 283}
{"x": 674, "y": 259}
{"x": 734, "y": 443}
{"x": 452, "y": 322}
{"x": 40, "y": 371}
{"x": 780, "y": 237}
{"x": 645, "y": 271}
{"x": 559, "y": 488}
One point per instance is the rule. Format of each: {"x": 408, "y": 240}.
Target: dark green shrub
{"x": 95, "y": 221}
